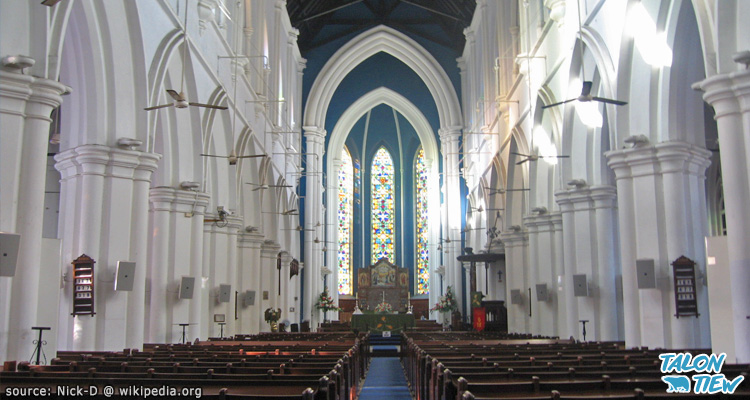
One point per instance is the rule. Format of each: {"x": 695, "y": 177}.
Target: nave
{"x": 427, "y": 365}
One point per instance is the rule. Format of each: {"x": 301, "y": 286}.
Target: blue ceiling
{"x": 324, "y": 21}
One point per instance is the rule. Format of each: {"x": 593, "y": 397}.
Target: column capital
{"x": 164, "y": 198}
{"x": 724, "y": 92}
{"x": 665, "y": 157}
{"x": 269, "y": 249}
{"x": 250, "y": 239}
{"x": 543, "y": 223}
{"x": 231, "y": 224}
{"x": 93, "y": 159}
{"x": 449, "y": 133}
{"x": 586, "y": 198}
{"x": 314, "y": 132}
{"x": 514, "y": 238}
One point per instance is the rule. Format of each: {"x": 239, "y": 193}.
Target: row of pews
{"x": 471, "y": 365}
{"x": 325, "y": 366}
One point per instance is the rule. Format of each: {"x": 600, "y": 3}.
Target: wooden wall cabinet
{"x": 83, "y": 286}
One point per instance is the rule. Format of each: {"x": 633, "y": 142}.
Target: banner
{"x": 480, "y": 319}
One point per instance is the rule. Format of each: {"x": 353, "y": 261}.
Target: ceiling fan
{"x": 299, "y": 228}
{"x": 50, "y": 3}
{"x": 292, "y": 211}
{"x": 180, "y": 100}
{"x": 502, "y": 191}
{"x": 264, "y": 186}
{"x": 233, "y": 157}
{"x": 586, "y": 96}
{"x": 533, "y": 157}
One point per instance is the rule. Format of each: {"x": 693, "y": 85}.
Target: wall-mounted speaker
{"x": 542, "y": 294}
{"x": 125, "y": 275}
{"x": 8, "y": 253}
{"x": 515, "y": 296}
{"x": 580, "y": 285}
{"x": 225, "y": 292}
{"x": 249, "y": 298}
{"x": 646, "y": 276}
{"x": 186, "y": 287}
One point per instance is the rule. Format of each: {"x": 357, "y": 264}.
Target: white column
{"x": 545, "y": 263}
{"x": 105, "y": 215}
{"x": 315, "y": 140}
{"x": 269, "y": 278}
{"x": 25, "y": 106}
{"x": 591, "y": 252}
{"x": 729, "y": 94}
{"x": 220, "y": 267}
{"x": 248, "y": 272}
{"x": 516, "y": 271}
{"x": 286, "y": 295}
{"x": 658, "y": 187}
{"x": 449, "y": 141}
{"x": 176, "y": 251}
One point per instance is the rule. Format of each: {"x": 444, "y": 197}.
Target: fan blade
{"x": 564, "y": 156}
{"x": 522, "y": 161}
{"x": 50, "y": 3}
{"x": 279, "y": 186}
{"x": 212, "y": 155}
{"x": 208, "y": 106}
{"x": 520, "y": 154}
{"x": 176, "y": 96}
{"x": 253, "y": 156}
{"x": 557, "y": 104}
{"x": 157, "y": 107}
{"x": 610, "y": 101}
{"x": 258, "y": 188}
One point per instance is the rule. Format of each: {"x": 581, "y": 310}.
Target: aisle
{"x": 385, "y": 379}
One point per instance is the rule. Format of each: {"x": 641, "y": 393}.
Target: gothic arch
{"x": 382, "y": 39}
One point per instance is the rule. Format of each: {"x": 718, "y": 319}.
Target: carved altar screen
{"x": 383, "y": 280}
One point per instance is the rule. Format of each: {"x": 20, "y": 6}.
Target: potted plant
{"x": 445, "y": 305}
{"x": 325, "y": 303}
{"x": 272, "y": 317}
{"x": 383, "y": 308}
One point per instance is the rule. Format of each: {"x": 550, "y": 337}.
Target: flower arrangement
{"x": 325, "y": 302}
{"x": 383, "y": 307}
{"x": 272, "y": 315}
{"x": 446, "y": 303}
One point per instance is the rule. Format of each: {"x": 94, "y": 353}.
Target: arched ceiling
{"x": 323, "y": 21}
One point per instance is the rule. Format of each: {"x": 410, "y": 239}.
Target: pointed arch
{"x": 382, "y": 39}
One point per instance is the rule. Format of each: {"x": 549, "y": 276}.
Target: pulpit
{"x": 383, "y": 282}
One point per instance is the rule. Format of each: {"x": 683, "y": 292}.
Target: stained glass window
{"x": 423, "y": 254}
{"x": 383, "y": 203}
{"x": 346, "y": 189}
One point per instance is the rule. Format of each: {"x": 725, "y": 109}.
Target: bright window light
{"x": 545, "y": 148}
{"x": 588, "y": 113}
{"x": 652, "y": 45}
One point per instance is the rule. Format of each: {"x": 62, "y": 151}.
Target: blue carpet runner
{"x": 385, "y": 380}
{"x": 384, "y": 346}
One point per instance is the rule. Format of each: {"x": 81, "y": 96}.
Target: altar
{"x": 382, "y": 322}
{"x": 383, "y": 283}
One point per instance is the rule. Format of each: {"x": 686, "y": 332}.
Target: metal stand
{"x": 184, "y": 328}
{"x": 221, "y": 324}
{"x": 39, "y": 343}
{"x": 583, "y": 321}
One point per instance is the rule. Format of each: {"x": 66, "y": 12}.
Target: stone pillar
{"x": 516, "y": 276}
{"x": 248, "y": 271}
{"x": 286, "y": 294}
{"x": 104, "y": 214}
{"x": 26, "y": 105}
{"x": 592, "y": 252}
{"x": 729, "y": 94}
{"x": 658, "y": 187}
{"x": 545, "y": 264}
{"x": 176, "y": 251}
{"x": 449, "y": 143}
{"x": 220, "y": 267}
{"x": 269, "y": 278}
{"x": 314, "y": 212}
